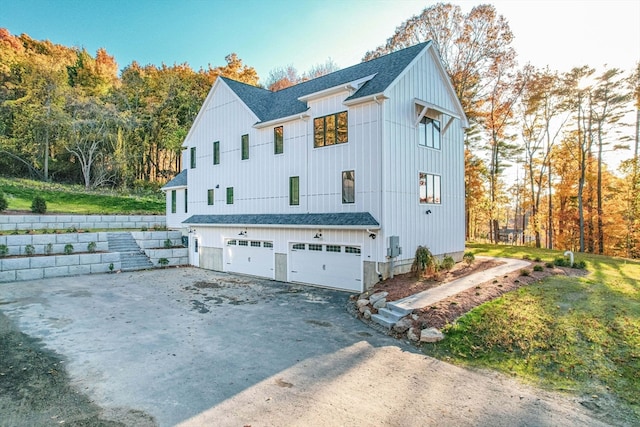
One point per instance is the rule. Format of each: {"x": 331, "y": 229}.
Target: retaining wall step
{"x": 383, "y": 320}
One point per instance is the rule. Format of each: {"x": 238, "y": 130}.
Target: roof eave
{"x": 299, "y": 226}
{"x": 300, "y": 116}
{"x": 376, "y": 97}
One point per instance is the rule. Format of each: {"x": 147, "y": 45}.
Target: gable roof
{"x": 361, "y": 220}
{"x": 179, "y": 180}
{"x": 268, "y": 105}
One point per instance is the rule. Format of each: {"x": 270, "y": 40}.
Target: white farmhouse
{"x": 334, "y": 182}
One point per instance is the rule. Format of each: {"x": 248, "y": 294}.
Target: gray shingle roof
{"x": 269, "y": 105}
{"x": 342, "y": 219}
{"x": 179, "y": 180}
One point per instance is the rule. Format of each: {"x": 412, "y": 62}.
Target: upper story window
{"x": 278, "y": 140}
{"x": 348, "y": 187}
{"x": 429, "y": 133}
{"x": 186, "y": 201}
{"x": 192, "y": 155}
{"x": 330, "y": 130}
{"x": 229, "y": 195}
{"x": 173, "y": 201}
{"x": 216, "y": 153}
{"x": 210, "y": 197}
{"x": 294, "y": 190}
{"x": 245, "y": 147}
{"x": 429, "y": 188}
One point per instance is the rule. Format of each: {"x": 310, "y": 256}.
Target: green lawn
{"x": 73, "y": 199}
{"x": 575, "y": 334}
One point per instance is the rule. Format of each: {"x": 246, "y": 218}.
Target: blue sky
{"x": 274, "y": 33}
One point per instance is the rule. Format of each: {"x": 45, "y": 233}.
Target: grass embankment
{"x": 575, "y": 334}
{"x": 74, "y": 199}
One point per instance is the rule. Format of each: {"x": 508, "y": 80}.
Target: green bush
{"x": 469, "y": 258}
{"x": 91, "y": 247}
{"x": 537, "y": 259}
{"x": 163, "y": 262}
{"x": 581, "y": 265}
{"x": 424, "y": 262}
{"x": 68, "y": 249}
{"x": 4, "y": 250}
{"x": 549, "y": 265}
{"x": 48, "y": 249}
{"x": 524, "y": 272}
{"x": 3, "y": 203}
{"x": 168, "y": 244}
{"x": 561, "y": 262}
{"x": 447, "y": 263}
{"x": 538, "y": 268}
{"x": 39, "y": 205}
{"x": 29, "y": 250}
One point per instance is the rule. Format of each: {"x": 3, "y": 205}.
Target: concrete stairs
{"x": 389, "y": 315}
{"x": 131, "y": 256}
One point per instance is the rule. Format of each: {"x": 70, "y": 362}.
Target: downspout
{"x": 382, "y": 173}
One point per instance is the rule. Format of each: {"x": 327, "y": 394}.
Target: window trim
{"x": 427, "y": 135}
{"x": 244, "y": 147}
{"x": 186, "y": 201}
{"x": 192, "y": 157}
{"x": 336, "y": 137}
{"x": 278, "y": 140}
{"x": 210, "y": 197}
{"x": 436, "y": 197}
{"x": 344, "y": 188}
{"x": 174, "y": 201}
{"x": 229, "y": 195}
{"x": 216, "y": 152}
{"x": 294, "y": 196}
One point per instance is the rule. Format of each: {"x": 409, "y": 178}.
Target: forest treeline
{"x": 67, "y": 115}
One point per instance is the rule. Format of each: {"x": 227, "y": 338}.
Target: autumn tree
{"x": 235, "y": 70}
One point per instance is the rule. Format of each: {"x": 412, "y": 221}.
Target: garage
{"x": 336, "y": 266}
{"x": 254, "y": 257}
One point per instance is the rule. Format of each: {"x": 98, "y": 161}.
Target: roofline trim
{"x": 353, "y": 85}
{"x": 376, "y": 97}
{"x": 173, "y": 187}
{"x": 311, "y": 226}
{"x": 300, "y": 116}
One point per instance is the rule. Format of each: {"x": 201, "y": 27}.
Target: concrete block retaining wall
{"x": 80, "y": 222}
{"x": 80, "y": 241}
{"x": 176, "y": 256}
{"x": 152, "y": 242}
{"x": 32, "y": 268}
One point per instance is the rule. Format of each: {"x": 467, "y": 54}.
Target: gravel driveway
{"x": 195, "y": 347}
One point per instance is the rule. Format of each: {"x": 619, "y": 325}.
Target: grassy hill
{"x": 578, "y": 334}
{"x": 74, "y": 199}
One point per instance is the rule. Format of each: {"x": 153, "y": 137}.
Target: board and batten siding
{"x": 442, "y": 230}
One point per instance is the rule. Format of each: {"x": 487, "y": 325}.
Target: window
{"x": 330, "y": 130}
{"x": 173, "y": 201}
{"x": 429, "y": 130}
{"x": 313, "y": 247}
{"x": 299, "y": 246}
{"x": 210, "y": 197}
{"x": 351, "y": 250}
{"x": 333, "y": 248}
{"x": 243, "y": 243}
{"x": 256, "y": 244}
{"x": 278, "y": 140}
{"x": 429, "y": 188}
{"x": 267, "y": 245}
{"x": 294, "y": 190}
{"x": 193, "y": 157}
{"x": 185, "y": 200}
{"x": 231, "y": 242}
{"x": 229, "y": 195}
{"x": 348, "y": 187}
{"x": 245, "y": 147}
{"x": 216, "y": 153}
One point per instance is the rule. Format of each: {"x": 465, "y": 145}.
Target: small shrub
{"x": 68, "y": 249}
{"x": 29, "y": 250}
{"x": 424, "y": 262}
{"x": 4, "y": 250}
{"x": 72, "y": 230}
{"x": 549, "y": 265}
{"x": 561, "y": 262}
{"x": 447, "y": 263}
{"x": 3, "y": 203}
{"x": 469, "y": 258}
{"x": 91, "y": 247}
{"x": 168, "y": 244}
{"x": 524, "y": 272}
{"x": 163, "y": 262}
{"x": 538, "y": 268}
{"x": 581, "y": 265}
{"x": 48, "y": 249}
{"x": 526, "y": 256}
{"x": 39, "y": 205}
{"x": 111, "y": 267}
{"x": 537, "y": 259}
{"x": 144, "y": 228}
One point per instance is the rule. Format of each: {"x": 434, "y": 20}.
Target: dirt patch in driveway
{"x": 36, "y": 390}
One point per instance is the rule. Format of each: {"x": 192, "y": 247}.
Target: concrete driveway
{"x": 195, "y": 347}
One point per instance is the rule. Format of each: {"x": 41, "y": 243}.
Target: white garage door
{"x": 253, "y": 257}
{"x": 337, "y": 266}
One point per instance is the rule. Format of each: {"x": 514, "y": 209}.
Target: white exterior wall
{"x": 442, "y": 231}
{"x": 174, "y": 220}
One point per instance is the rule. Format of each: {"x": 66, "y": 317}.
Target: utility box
{"x": 394, "y": 248}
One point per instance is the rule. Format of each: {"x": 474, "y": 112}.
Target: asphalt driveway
{"x": 196, "y": 347}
